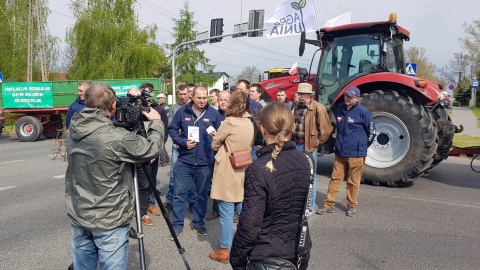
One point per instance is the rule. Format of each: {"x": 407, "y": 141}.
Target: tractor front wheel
{"x": 406, "y": 139}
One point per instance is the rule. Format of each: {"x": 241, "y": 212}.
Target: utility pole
{"x": 37, "y": 10}
{"x": 41, "y": 43}
{"x": 30, "y": 41}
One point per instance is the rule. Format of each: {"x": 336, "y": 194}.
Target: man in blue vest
{"x": 355, "y": 133}
{"x": 194, "y": 166}
{"x": 79, "y": 103}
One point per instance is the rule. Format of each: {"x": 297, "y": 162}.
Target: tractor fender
{"x": 402, "y": 83}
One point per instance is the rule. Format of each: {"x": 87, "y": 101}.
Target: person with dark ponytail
{"x": 275, "y": 191}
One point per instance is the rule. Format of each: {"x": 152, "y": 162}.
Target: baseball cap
{"x": 161, "y": 95}
{"x": 353, "y": 91}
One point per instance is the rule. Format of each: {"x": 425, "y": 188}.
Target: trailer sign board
{"x": 22, "y": 95}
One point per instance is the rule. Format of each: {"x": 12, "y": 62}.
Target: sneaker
{"x": 324, "y": 210}
{"x": 352, "y": 211}
{"x": 213, "y": 215}
{"x": 154, "y": 210}
{"x": 200, "y": 231}
{"x": 147, "y": 221}
{"x": 177, "y": 234}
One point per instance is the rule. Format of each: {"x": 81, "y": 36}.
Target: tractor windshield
{"x": 344, "y": 59}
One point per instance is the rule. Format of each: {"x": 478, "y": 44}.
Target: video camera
{"x": 129, "y": 110}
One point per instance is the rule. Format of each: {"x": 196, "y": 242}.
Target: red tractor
{"x": 414, "y": 131}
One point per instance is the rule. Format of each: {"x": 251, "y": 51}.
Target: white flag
{"x": 293, "y": 69}
{"x": 339, "y": 20}
{"x": 291, "y": 18}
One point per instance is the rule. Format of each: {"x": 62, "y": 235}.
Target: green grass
{"x": 465, "y": 140}
{"x": 476, "y": 111}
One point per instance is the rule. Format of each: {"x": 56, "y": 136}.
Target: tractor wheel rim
{"x": 391, "y": 143}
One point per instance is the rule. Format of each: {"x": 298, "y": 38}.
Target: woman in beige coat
{"x": 236, "y": 132}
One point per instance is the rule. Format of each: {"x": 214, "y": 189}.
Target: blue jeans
{"x": 301, "y": 147}
{"x": 151, "y": 196}
{"x": 191, "y": 194}
{"x": 254, "y": 152}
{"x": 107, "y": 248}
{"x": 226, "y": 222}
{"x": 186, "y": 177}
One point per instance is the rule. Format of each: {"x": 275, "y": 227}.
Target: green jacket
{"x": 98, "y": 197}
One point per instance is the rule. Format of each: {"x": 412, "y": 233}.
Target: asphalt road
{"x": 432, "y": 224}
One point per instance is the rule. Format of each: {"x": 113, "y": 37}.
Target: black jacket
{"x": 272, "y": 206}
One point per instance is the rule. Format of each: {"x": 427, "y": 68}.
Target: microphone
{"x": 210, "y": 128}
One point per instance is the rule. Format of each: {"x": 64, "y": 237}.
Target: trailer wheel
{"x": 28, "y": 128}
{"x": 406, "y": 139}
{"x": 2, "y": 124}
{"x": 50, "y": 130}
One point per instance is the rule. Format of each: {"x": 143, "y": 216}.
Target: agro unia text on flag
{"x": 291, "y": 18}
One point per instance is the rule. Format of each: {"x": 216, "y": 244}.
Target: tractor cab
{"x": 355, "y": 50}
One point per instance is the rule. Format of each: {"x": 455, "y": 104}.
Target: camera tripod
{"x": 139, "y": 235}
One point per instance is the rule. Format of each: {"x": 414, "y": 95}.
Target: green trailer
{"x": 38, "y": 107}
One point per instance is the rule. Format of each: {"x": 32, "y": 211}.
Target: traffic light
{"x": 225, "y": 86}
{"x": 255, "y": 21}
{"x": 216, "y": 29}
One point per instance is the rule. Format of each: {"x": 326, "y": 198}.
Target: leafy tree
{"x": 250, "y": 74}
{"x": 14, "y": 40}
{"x": 106, "y": 42}
{"x": 189, "y": 57}
{"x": 471, "y": 43}
{"x": 425, "y": 69}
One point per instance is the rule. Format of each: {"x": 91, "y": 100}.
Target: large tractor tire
{"x": 406, "y": 139}
{"x": 28, "y": 128}
{"x": 445, "y": 131}
{"x": 51, "y": 129}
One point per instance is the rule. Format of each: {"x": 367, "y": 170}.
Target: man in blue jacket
{"x": 355, "y": 133}
{"x": 79, "y": 103}
{"x": 194, "y": 166}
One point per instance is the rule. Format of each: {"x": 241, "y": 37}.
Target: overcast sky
{"x": 435, "y": 25}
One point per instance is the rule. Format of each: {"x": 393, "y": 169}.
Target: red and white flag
{"x": 293, "y": 69}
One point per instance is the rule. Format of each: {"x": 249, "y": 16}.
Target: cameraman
{"x": 99, "y": 198}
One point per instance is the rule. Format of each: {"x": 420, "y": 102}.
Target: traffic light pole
{"x": 174, "y": 54}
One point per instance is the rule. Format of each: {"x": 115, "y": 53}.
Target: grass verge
{"x": 465, "y": 140}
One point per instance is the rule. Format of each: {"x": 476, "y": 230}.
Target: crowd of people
{"x": 268, "y": 199}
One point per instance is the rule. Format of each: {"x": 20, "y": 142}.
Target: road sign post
{"x": 474, "y": 93}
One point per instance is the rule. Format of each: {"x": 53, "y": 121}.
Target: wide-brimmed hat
{"x": 161, "y": 95}
{"x": 304, "y": 88}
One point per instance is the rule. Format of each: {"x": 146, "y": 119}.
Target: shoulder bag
{"x": 276, "y": 263}
{"x": 239, "y": 159}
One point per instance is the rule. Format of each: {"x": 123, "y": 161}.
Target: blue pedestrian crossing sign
{"x": 411, "y": 69}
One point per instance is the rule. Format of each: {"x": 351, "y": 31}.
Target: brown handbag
{"x": 239, "y": 159}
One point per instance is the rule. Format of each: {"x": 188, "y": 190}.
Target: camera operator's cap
{"x": 161, "y": 95}
{"x": 353, "y": 91}
{"x": 304, "y": 88}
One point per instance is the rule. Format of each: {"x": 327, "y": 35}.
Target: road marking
{"x": 404, "y": 196}
{"x": 5, "y": 162}
{"x": 5, "y": 188}
{"x": 59, "y": 176}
